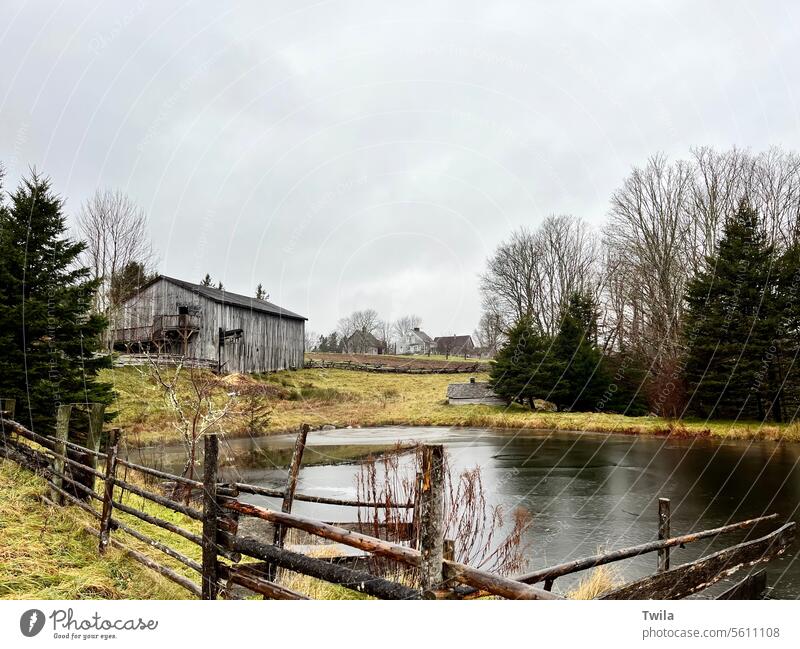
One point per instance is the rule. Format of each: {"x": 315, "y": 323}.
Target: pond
{"x": 586, "y": 491}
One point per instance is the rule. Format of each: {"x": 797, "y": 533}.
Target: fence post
{"x": 108, "y": 491}
{"x": 431, "y": 516}
{"x": 663, "y": 532}
{"x": 96, "y": 414}
{"x": 291, "y": 484}
{"x": 62, "y": 432}
{"x": 415, "y": 523}
{"x": 210, "y": 515}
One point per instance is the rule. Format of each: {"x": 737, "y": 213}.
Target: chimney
{"x": 472, "y": 379}
{"x": 416, "y": 328}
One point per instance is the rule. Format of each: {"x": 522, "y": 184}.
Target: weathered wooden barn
{"x": 236, "y": 333}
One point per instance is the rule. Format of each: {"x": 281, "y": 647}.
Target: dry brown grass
{"x": 348, "y": 398}
{"x": 597, "y": 583}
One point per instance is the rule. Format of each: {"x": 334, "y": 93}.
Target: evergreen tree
{"x": 521, "y": 371}
{"x": 206, "y": 280}
{"x": 261, "y": 294}
{"x": 786, "y": 401}
{"x": 733, "y": 325}
{"x": 127, "y": 281}
{"x": 47, "y": 331}
{"x": 625, "y": 379}
{"x": 580, "y": 378}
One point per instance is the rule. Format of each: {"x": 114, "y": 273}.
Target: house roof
{"x": 455, "y": 342}
{"x": 476, "y": 390}
{"x": 365, "y": 339}
{"x": 422, "y": 336}
{"x": 221, "y": 296}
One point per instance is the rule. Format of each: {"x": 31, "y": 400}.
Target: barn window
{"x": 187, "y": 309}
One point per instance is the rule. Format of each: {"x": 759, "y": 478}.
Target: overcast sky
{"x": 372, "y": 154}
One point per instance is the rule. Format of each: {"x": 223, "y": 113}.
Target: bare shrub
{"x": 198, "y": 405}
{"x": 478, "y": 529}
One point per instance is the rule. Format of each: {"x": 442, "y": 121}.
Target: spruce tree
{"x": 206, "y": 280}
{"x": 521, "y": 371}
{"x": 786, "y": 402}
{"x": 581, "y": 377}
{"x": 47, "y": 331}
{"x": 733, "y": 325}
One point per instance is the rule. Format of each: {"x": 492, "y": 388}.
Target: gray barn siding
{"x": 268, "y": 343}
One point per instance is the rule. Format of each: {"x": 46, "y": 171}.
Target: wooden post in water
{"x": 291, "y": 484}
{"x": 108, "y": 491}
{"x": 664, "y": 517}
{"x": 210, "y": 515}
{"x": 62, "y": 432}
{"x": 431, "y": 517}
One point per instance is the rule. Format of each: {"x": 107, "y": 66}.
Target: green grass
{"x": 46, "y": 554}
{"x": 350, "y": 398}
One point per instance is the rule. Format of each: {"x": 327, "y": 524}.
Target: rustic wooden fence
{"x": 446, "y": 367}
{"x": 96, "y": 482}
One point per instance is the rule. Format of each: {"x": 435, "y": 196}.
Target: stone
{"x": 544, "y": 406}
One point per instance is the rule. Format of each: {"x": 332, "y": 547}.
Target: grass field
{"x": 349, "y": 398}
{"x": 45, "y": 553}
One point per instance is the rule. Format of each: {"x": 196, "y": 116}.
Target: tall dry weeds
{"x": 479, "y": 532}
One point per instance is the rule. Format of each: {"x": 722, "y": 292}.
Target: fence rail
{"x": 74, "y": 477}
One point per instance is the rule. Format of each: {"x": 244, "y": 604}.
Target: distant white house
{"x": 414, "y": 342}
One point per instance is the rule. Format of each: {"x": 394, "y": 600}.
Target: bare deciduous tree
{"x": 405, "y": 324}
{"x": 364, "y": 321}
{"x": 117, "y": 244}
{"x": 489, "y": 334}
{"x": 534, "y": 272}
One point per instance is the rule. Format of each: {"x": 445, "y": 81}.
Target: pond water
{"x": 586, "y": 491}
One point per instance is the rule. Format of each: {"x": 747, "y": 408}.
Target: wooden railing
{"x": 102, "y": 483}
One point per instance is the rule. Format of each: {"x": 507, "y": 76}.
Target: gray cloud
{"x": 371, "y": 154}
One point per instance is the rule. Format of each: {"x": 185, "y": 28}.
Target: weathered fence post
{"x": 96, "y": 413}
{"x": 415, "y": 522}
{"x": 108, "y": 491}
{"x": 210, "y": 515}
{"x": 291, "y": 484}
{"x": 60, "y": 447}
{"x": 663, "y": 532}
{"x": 431, "y": 516}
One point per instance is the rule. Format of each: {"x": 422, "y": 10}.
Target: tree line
{"x": 386, "y": 332}
{"x": 690, "y": 287}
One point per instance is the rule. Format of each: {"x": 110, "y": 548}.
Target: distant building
{"x": 172, "y": 317}
{"x": 472, "y": 393}
{"x": 454, "y": 345}
{"x": 414, "y": 342}
{"x": 363, "y": 342}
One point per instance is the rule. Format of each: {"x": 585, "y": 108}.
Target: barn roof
{"x": 471, "y": 390}
{"x": 221, "y": 296}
